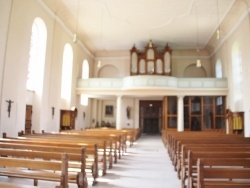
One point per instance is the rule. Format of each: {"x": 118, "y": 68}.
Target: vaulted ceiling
{"x": 119, "y": 24}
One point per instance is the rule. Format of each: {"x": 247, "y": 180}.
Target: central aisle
{"x": 145, "y": 165}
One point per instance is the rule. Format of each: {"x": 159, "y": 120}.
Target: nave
{"x": 146, "y": 164}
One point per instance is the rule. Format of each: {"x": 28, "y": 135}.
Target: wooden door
{"x": 28, "y": 119}
{"x": 150, "y": 116}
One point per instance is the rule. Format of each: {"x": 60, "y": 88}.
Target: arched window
{"x": 237, "y": 73}
{"x": 37, "y": 55}
{"x": 67, "y": 72}
{"x": 218, "y": 69}
{"x": 85, "y": 69}
{"x": 85, "y": 75}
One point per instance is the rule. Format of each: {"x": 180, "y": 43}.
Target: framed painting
{"x": 109, "y": 111}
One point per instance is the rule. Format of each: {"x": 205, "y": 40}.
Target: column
{"x": 93, "y": 114}
{"x": 180, "y": 115}
{"x": 119, "y": 113}
{"x": 136, "y": 113}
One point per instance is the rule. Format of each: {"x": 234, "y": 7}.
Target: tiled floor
{"x": 145, "y": 165}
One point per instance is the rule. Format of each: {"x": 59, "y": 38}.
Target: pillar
{"x": 136, "y": 113}
{"x": 119, "y": 113}
{"x": 180, "y": 115}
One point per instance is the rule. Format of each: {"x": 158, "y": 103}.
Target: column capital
{"x": 180, "y": 96}
{"x": 119, "y": 96}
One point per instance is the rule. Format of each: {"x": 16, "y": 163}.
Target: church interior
{"x": 117, "y": 75}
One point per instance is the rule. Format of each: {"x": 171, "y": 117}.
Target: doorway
{"x": 150, "y": 117}
{"x": 28, "y": 118}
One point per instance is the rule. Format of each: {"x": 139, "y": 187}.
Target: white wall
{"x": 224, "y": 53}
{"x": 15, "y": 22}
{"x": 14, "y": 58}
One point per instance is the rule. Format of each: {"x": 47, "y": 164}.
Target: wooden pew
{"x": 132, "y": 134}
{"x": 136, "y": 133}
{"x": 34, "y": 169}
{"x": 203, "y": 141}
{"x": 119, "y": 144}
{"x": 17, "y": 185}
{"x": 191, "y": 171}
{"x": 104, "y": 156}
{"x": 112, "y": 147}
{"x": 205, "y": 148}
{"x": 46, "y": 148}
{"x": 123, "y": 134}
{"x": 205, "y": 138}
{"x": 111, "y": 140}
{"x": 207, "y": 141}
{"x": 78, "y": 176}
{"x": 222, "y": 173}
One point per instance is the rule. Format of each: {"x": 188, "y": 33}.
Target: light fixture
{"x": 99, "y": 64}
{"x": 76, "y": 26}
{"x": 198, "y": 61}
{"x": 218, "y": 32}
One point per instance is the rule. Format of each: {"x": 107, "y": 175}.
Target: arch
{"x": 134, "y": 62}
{"x": 37, "y": 56}
{"x": 150, "y": 54}
{"x": 85, "y": 69}
{"x": 167, "y": 63}
{"x": 67, "y": 72}
{"x": 108, "y": 71}
{"x": 192, "y": 71}
{"x": 218, "y": 69}
{"x": 142, "y": 66}
{"x": 159, "y": 65}
{"x": 150, "y": 67}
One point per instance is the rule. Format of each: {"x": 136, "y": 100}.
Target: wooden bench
{"x": 132, "y": 134}
{"x": 112, "y": 147}
{"x": 222, "y": 173}
{"x": 46, "y": 148}
{"x": 36, "y": 169}
{"x": 202, "y": 138}
{"x": 17, "y": 185}
{"x": 174, "y": 137}
{"x": 178, "y": 144}
{"x": 104, "y": 155}
{"x": 119, "y": 144}
{"x": 76, "y": 162}
{"x": 205, "y": 148}
{"x": 125, "y": 135}
{"x": 189, "y": 172}
{"x": 136, "y": 133}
